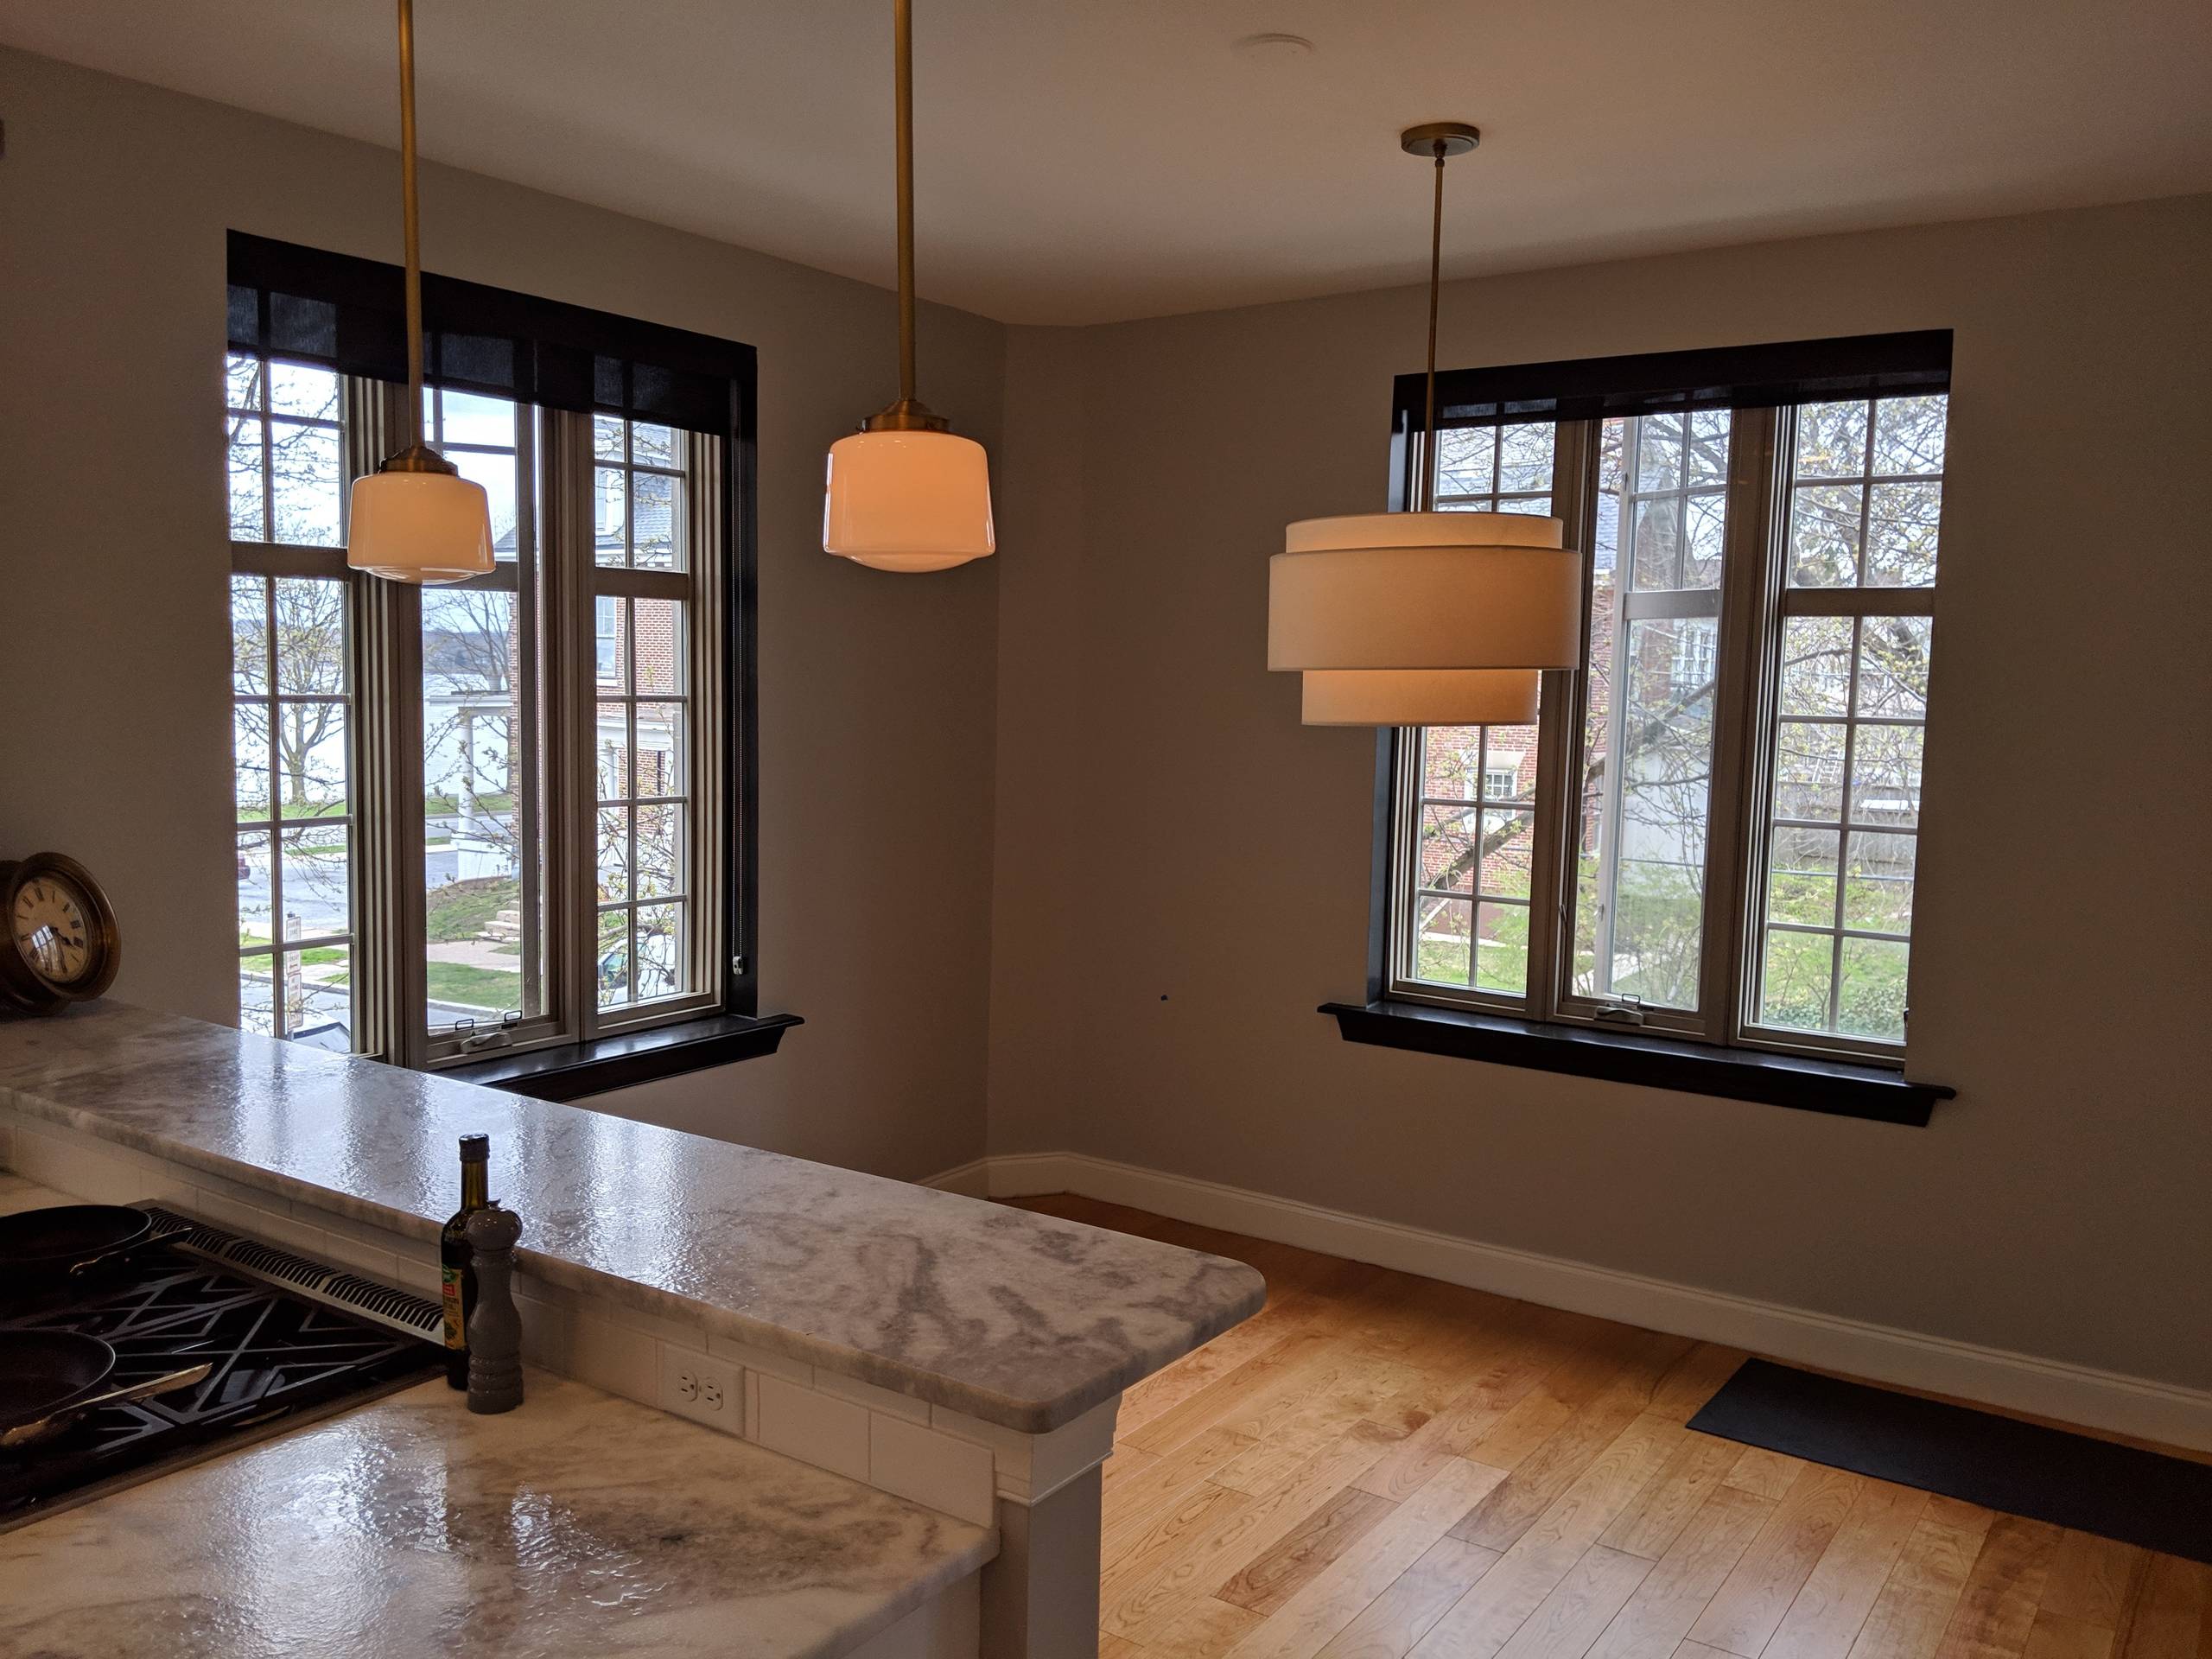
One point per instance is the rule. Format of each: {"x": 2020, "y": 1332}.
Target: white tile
{"x": 417, "y": 1272}
{"x": 544, "y": 1334}
{"x": 81, "y": 1171}
{"x": 616, "y": 1358}
{"x": 751, "y": 1404}
{"x": 888, "y": 1401}
{"x": 814, "y": 1428}
{"x": 357, "y": 1257}
{"x": 754, "y": 1357}
{"x": 657, "y": 1326}
{"x": 917, "y": 1463}
{"x": 292, "y": 1235}
{"x": 227, "y": 1213}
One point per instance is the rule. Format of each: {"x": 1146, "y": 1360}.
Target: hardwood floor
{"x": 1378, "y": 1466}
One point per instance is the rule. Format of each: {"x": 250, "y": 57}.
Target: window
{"x": 1722, "y": 808}
{"x": 291, "y": 685}
{"x": 490, "y": 696}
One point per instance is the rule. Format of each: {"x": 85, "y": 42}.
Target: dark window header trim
{"x": 1734, "y": 377}
{"x": 348, "y": 313}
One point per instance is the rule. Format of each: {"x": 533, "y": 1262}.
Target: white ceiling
{"x": 1083, "y": 161}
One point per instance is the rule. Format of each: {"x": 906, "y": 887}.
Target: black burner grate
{"x": 273, "y": 1354}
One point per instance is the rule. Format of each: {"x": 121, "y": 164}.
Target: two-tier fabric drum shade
{"x": 1423, "y": 618}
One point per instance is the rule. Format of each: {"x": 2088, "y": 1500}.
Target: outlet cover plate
{"x": 704, "y": 1388}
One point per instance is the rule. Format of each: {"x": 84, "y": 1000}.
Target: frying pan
{"x": 67, "y": 1239}
{"x": 50, "y": 1378}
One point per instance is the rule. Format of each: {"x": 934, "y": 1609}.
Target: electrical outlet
{"x": 704, "y": 1389}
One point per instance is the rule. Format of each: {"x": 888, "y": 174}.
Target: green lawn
{"x": 474, "y": 987}
{"x": 459, "y": 909}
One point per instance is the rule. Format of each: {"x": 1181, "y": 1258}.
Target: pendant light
{"x": 415, "y": 519}
{"x": 904, "y": 493}
{"x": 1424, "y": 617}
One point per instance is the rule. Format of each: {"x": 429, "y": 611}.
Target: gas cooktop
{"x": 288, "y": 1339}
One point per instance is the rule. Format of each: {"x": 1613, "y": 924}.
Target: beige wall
{"x": 1199, "y": 880}
{"x": 876, "y": 693}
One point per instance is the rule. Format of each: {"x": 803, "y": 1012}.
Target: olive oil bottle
{"x": 456, "y": 1265}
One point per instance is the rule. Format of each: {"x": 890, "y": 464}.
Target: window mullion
{"x": 1559, "y": 748}
{"x": 1745, "y": 699}
{"x": 568, "y": 674}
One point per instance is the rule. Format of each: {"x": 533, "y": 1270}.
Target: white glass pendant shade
{"x": 1418, "y": 696}
{"x": 423, "y": 527}
{"x": 908, "y": 500}
{"x": 1425, "y": 590}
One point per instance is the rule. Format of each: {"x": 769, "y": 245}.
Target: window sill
{"x": 632, "y": 1057}
{"x": 1837, "y": 1087}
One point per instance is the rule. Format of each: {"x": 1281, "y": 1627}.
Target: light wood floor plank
{"x": 1263, "y": 1584}
{"x": 1649, "y": 1526}
{"x": 1568, "y": 1622}
{"x": 2170, "y": 1615}
{"x": 1907, "y": 1619}
{"x": 1216, "y": 1552}
{"x": 1771, "y": 1474}
{"x": 1610, "y": 1424}
{"x": 1388, "y": 1626}
{"x": 1697, "y": 1563}
{"x": 2091, "y": 1579}
{"x": 1825, "y": 1618}
{"x": 1304, "y": 1625}
{"x": 1204, "y": 1628}
{"x": 1750, "y": 1604}
{"x": 1997, "y": 1607}
{"x": 1202, "y": 1506}
{"x": 1485, "y": 1619}
{"x": 2054, "y": 1635}
{"x": 1140, "y": 1501}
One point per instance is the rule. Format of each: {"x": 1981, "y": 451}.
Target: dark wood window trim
{"x": 623, "y": 1059}
{"x": 1836, "y": 1087}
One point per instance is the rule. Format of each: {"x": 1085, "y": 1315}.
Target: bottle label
{"x": 456, "y": 1332}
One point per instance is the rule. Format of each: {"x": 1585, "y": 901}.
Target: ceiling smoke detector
{"x": 1275, "y": 48}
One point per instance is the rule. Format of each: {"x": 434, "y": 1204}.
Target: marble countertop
{"x": 1022, "y": 1320}
{"x": 581, "y": 1524}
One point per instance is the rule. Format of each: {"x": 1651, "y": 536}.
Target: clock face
{"x": 50, "y": 923}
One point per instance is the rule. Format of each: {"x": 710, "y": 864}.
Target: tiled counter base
{"x": 1040, "y": 1491}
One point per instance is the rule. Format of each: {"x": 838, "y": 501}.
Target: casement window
{"x": 1710, "y": 833}
{"x": 509, "y": 815}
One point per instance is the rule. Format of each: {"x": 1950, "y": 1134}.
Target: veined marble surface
{"x": 1018, "y": 1319}
{"x": 581, "y": 1524}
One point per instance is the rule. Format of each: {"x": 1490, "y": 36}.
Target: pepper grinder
{"x": 494, "y": 1329}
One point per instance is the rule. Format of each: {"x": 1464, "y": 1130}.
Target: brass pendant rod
{"x": 1435, "y": 283}
{"x": 904, "y": 13}
{"x": 412, "y": 218}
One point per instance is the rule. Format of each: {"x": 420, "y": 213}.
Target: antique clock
{"x": 62, "y": 946}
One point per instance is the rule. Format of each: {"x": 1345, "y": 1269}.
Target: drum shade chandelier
{"x": 904, "y": 493}
{"x": 415, "y": 519}
{"x": 1424, "y": 617}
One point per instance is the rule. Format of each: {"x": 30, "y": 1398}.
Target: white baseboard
{"x": 2044, "y": 1388}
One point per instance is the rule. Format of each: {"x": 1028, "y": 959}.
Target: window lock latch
{"x": 1628, "y": 1010}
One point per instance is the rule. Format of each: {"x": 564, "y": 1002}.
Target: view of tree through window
{"x": 1809, "y": 907}
{"x": 291, "y": 692}
{"x": 482, "y": 850}
{"x": 1469, "y": 904}
{"x": 643, "y": 820}
{"x": 1865, "y": 496}
{"x": 1647, "y": 746}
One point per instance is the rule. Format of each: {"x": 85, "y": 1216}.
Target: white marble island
{"x": 946, "y": 1350}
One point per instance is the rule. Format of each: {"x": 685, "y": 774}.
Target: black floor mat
{"x": 2046, "y": 1474}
